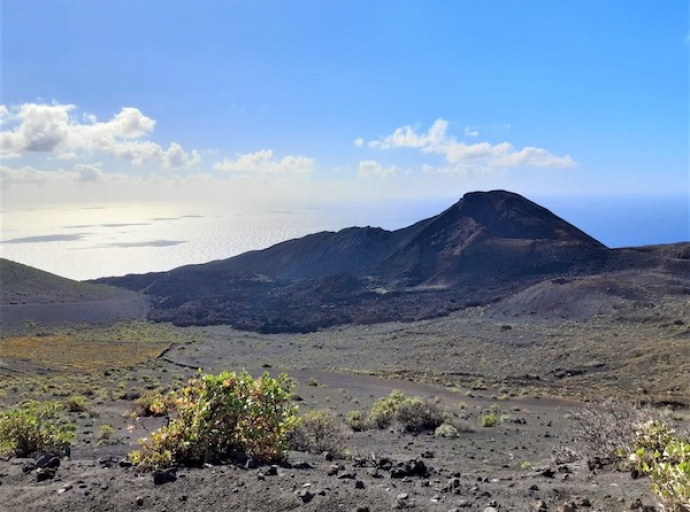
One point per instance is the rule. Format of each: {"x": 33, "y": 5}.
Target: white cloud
{"x": 359, "y": 142}
{"x": 471, "y": 131}
{"x": 80, "y": 173}
{"x": 262, "y": 162}
{"x": 4, "y": 114}
{"x": 464, "y": 157}
{"x": 373, "y": 169}
{"x": 52, "y": 128}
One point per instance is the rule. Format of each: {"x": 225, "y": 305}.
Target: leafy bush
{"x": 217, "y": 417}
{"x": 105, "y": 433}
{"x": 412, "y": 414}
{"x": 150, "y": 404}
{"x": 77, "y": 403}
{"x": 665, "y": 457}
{"x": 446, "y": 430}
{"x": 489, "y": 419}
{"x": 35, "y": 427}
{"x": 356, "y": 420}
{"x": 318, "y": 432}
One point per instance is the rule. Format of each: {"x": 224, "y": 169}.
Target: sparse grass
{"x": 105, "y": 434}
{"x": 77, "y": 403}
{"x": 66, "y": 353}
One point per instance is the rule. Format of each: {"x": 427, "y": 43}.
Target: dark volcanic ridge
{"x": 482, "y": 250}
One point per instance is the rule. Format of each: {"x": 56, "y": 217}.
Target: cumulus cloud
{"x": 471, "y": 131}
{"x": 464, "y": 157}
{"x": 373, "y": 169}
{"x": 54, "y": 129}
{"x": 359, "y": 142}
{"x": 262, "y": 162}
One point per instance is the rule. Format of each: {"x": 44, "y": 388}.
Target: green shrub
{"x": 664, "y": 457}
{"x": 217, "y": 417}
{"x": 35, "y": 427}
{"x": 105, "y": 433}
{"x": 77, "y": 403}
{"x": 356, "y": 420}
{"x": 150, "y": 404}
{"x": 446, "y": 430}
{"x": 413, "y": 414}
{"x": 489, "y": 419}
{"x": 318, "y": 432}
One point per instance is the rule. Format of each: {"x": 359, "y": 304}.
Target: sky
{"x": 304, "y": 101}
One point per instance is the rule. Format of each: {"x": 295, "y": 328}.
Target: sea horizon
{"x": 124, "y": 238}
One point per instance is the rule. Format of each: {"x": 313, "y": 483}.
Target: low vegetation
{"x": 411, "y": 413}
{"x": 664, "y": 456}
{"x": 319, "y": 432}
{"x": 35, "y": 427}
{"x": 220, "y": 417}
{"x": 72, "y": 353}
{"x": 640, "y": 440}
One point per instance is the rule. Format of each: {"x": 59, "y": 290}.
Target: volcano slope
{"x": 483, "y": 249}
{"x": 31, "y": 295}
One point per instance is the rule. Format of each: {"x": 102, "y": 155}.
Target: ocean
{"x": 84, "y": 241}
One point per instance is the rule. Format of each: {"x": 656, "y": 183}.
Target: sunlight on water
{"x": 84, "y": 241}
{"x": 89, "y": 241}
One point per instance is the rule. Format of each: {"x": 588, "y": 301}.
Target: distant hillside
{"x": 23, "y": 284}
{"x": 27, "y": 293}
{"x": 485, "y": 247}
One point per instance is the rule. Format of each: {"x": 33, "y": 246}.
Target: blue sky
{"x": 337, "y": 100}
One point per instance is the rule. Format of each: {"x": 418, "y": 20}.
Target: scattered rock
{"x": 48, "y": 460}
{"x": 539, "y": 506}
{"x": 305, "y": 495}
{"x": 139, "y": 501}
{"x": 359, "y": 484}
{"x": 568, "y": 506}
{"x": 638, "y": 506}
{"x": 165, "y": 476}
{"x": 414, "y": 467}
{"x": 43, "y": 474}
{"x": 580, "y": 501}
{"x": 547, "y": 473}
{"x": 64, "y": 489}
{"x": 302, "y": 465}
